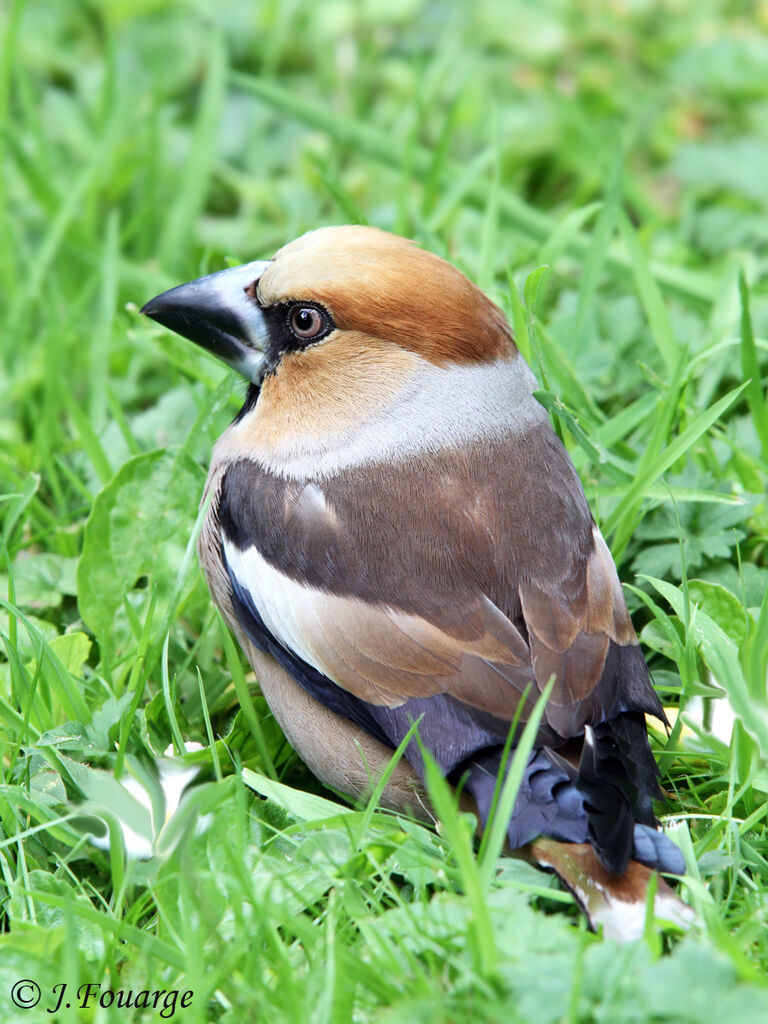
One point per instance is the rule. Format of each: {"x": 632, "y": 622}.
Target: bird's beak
{"x": 217, "y": 313}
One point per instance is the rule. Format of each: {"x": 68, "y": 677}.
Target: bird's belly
{"x": 341, "y": 754}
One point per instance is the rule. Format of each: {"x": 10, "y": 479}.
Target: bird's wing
{"x": 383, "y": 667}
{"x": 385, "y": 655}
{"x": 441, "y": 590}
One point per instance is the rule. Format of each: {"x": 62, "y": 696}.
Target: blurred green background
{"x": 601, "y": 169}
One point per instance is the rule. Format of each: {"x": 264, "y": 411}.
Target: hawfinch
{"x": 395, "y": 533}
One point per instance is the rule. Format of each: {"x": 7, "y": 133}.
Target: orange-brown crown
{"x": 384, "y": 286}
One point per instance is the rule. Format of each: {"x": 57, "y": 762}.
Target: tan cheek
{"x": 325, "y": 391}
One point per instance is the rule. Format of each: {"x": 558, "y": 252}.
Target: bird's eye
{"x": 306, "y": 322}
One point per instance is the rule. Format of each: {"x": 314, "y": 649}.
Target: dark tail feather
{"x": 631, "y": 736}
{"x": 609, "y": 799}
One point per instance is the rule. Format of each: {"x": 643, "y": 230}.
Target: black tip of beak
{"x": 199, "y": 318}
{"x": 150, "y": 308}
{"x": 186, "y": 305}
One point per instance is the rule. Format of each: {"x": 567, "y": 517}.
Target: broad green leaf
{"x": 41, "y": 884}
{"x": 42, "y": 580}
{"x": 72, "y": 649}
{"x": 710, "y": 531}
{"x": 137, "y": 533}
{"x": 721, "y": 606}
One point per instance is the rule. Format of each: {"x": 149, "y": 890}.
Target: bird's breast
{"x": 318, "y": 416}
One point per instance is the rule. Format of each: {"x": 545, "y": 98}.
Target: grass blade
{"x": 750, "y": 368}
{"x": 675, "y": 450}
{"x": 496, "y": 829}
{"x": 370, "y": 141}
{"x": 661, "y": 328}
{"x": 199, "y": 162}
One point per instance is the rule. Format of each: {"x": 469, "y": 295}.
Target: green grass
{"x": 600, "y": 169}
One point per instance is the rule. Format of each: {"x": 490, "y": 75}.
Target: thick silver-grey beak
{"x": 217, "y": 313}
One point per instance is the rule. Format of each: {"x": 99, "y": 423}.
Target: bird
{"x": 400, "y": 542}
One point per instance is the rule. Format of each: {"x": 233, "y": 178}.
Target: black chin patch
{"x": 251, "y": 397}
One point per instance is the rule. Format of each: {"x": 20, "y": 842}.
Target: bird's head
{"x": 343, "y": 325}
{"x": 343, "y": 288}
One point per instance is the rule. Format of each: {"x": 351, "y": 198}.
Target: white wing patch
{"x": 278, "y": 599}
